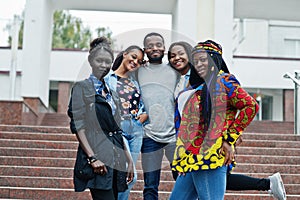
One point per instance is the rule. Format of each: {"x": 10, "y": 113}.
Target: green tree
{"x": 68, "y": 31}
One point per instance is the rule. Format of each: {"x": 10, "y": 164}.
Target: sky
{"x": 118, "y": 23}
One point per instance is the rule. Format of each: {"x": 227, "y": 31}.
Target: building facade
{"x": 259, "y": 45}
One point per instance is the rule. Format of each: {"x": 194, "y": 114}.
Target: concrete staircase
{"x": 37, "y": 163}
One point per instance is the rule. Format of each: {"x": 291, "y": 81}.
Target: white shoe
{"x": 276, "y": 187}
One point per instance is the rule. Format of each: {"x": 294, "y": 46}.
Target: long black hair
{"x": 215, "y": 64}
{"x": 119, "y": 57}
{"x": 188, "y": 49}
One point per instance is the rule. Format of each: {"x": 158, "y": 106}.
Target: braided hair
{"x": 215, "y": 64}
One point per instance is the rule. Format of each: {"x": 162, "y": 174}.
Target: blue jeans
{"x": 201, "y": 184}
{"x": 133, "y": 134}
{"x": 152, "y": 154}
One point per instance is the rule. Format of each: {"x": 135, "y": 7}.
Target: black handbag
{"x": 83, "y": 170}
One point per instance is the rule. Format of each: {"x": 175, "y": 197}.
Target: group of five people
{"x": 129, "y": 109}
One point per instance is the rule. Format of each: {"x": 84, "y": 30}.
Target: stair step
{"x": 37, "y": 171}
{"x": 34, "y": 129}
{"x": 268, "y": 151}
{"x": 38, "y": 136}
{"x": 55, "y": 119}
{"x": 274, "y": 127}
{"x": 37, "y": 161}
{"x": 270, "y": 143}
{"x": 267, "y": 159}
{"x": 271, "y": 136}
{"x": 36, "y": 182}
{"x": 42, "y": 193}
{"x": 39, "y": 144}
{"x": 270, "y": 168}
{"x": 38, "y": 152}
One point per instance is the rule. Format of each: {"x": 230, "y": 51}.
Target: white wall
{"x": 223, "y": 29}
{"x": 183, "y": 18}
{"x": 252, "y": 38}
{"x": 264, "y": 73}
{"x": 68, "y": 65}
{"x": 279, "y": 31}
{"x": 5, "y": 87}
{"x": 5, "y": 59}
{"x": 5, "y": 83}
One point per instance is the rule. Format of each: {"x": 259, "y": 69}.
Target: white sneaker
{"x": 276, "y": 187}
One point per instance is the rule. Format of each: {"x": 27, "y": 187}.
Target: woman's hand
{"x": 142, "y": 117}
{"x": 130, "y": 172}
{"x": 99, "y": 167}
{"x": 228, "y": 153}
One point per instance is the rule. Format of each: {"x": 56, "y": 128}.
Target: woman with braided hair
{"x": 208, "y": 127}
{"x": 180, "y": 57}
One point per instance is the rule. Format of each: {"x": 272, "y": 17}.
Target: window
{"x": 292, "y": 47}
{"x": 265, "y": 103}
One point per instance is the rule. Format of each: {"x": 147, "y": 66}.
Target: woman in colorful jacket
{"x": 211, "y": 117}
{"x": 180, "y": 58}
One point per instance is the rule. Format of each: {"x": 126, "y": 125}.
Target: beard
{"x": 156, "y": 59}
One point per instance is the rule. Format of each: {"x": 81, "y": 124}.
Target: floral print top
{"x": 129, "y": 96}
{"x": 199, "y": 150}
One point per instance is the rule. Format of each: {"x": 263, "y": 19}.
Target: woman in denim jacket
{"x": 127, "y": 96}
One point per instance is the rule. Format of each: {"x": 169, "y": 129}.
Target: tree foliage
{"x": 68, "y": 31}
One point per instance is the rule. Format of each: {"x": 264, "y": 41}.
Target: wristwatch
{"x": 91, "y": 159}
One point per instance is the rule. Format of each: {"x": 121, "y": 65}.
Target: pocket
{"x": 82, "y": 169}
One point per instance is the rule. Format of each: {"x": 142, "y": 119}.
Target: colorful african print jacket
{"x": 197, "y": 149}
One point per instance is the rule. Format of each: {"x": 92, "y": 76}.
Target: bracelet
{"x": 91, "y": 159}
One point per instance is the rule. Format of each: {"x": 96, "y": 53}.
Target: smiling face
{"x": 100, "y": 62}
{"x": 154, "y": 48}
{"x": 132, "y": 60}
{"x": 200, "y": 61}
{"x": 179, "y": 59}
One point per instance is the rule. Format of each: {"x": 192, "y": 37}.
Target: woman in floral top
{"x": 211, "y": 117}
{"x": 127, "y": 96}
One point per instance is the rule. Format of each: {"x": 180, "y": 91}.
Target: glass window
{"x": 265, "y": 106}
